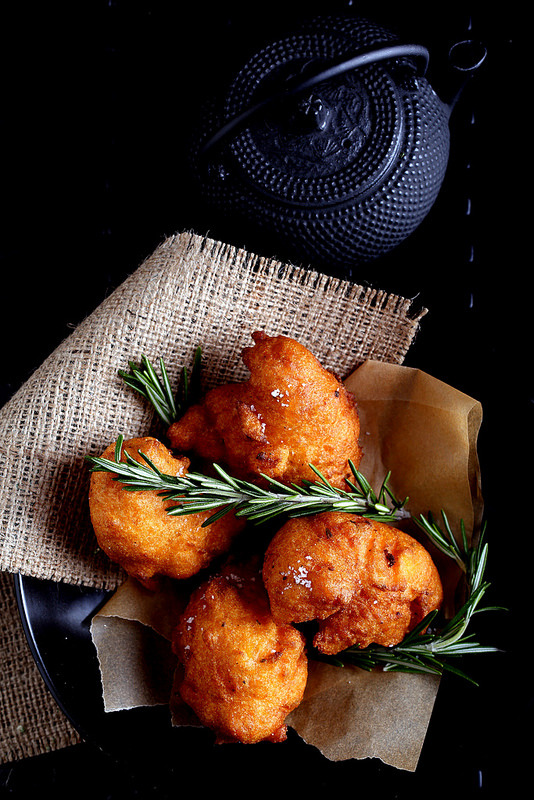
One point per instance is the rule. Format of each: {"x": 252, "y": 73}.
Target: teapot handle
{"x": 362, "y": 59}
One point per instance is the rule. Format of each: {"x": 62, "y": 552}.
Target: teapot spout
{"x": 465, "y": 58}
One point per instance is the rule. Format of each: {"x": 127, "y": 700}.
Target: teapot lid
{"x": 326, "y": 131}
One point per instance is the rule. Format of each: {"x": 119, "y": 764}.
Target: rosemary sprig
{"x": 196, "y": 492}
{"x": 471, "y": 560}
{"x": 168, "y": 406}
{"x": 423, "y": 649}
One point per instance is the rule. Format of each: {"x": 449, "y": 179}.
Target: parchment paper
{"x": 425, "y": 432}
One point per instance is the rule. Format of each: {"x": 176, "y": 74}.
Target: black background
{"x": 98, "y": 99}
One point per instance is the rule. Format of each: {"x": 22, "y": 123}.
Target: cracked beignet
{"x": 243, "y": 672}
{"x": 363, "y": 581}
{"x": 291, "y": 412}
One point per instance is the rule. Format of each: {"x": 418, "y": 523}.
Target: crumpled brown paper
{"x": 425, "y": 433}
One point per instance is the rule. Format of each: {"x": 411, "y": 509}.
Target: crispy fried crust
{"x": 243, "y": 672}
{"x": 135, "y": 531}
{"x": 364, "y": 581}
{"x": 291, "y": 412}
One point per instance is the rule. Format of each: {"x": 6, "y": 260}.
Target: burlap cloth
{"x": 191, "y": 291}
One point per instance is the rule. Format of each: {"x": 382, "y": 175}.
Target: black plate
{"x": 56, "y": 619}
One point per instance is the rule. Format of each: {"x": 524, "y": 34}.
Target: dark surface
{"x": 98, "y": 99}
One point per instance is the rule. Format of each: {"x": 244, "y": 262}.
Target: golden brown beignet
{"x": 135, "y": 531}
{"x": 243, "y": 672}
{"x": 291, "y": 412}
{"x": 366, "y": 582}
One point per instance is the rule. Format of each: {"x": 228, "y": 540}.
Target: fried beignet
{"x": 243, "y": 673}
{"x": 364, "y": 581}
{"x": 135, "y": 531}
{"x": 289, "y": 413}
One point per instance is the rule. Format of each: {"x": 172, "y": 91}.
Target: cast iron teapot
{"x": 330, "y": 141}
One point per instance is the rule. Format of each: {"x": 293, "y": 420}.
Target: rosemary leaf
{"x": 168, "y": 406}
